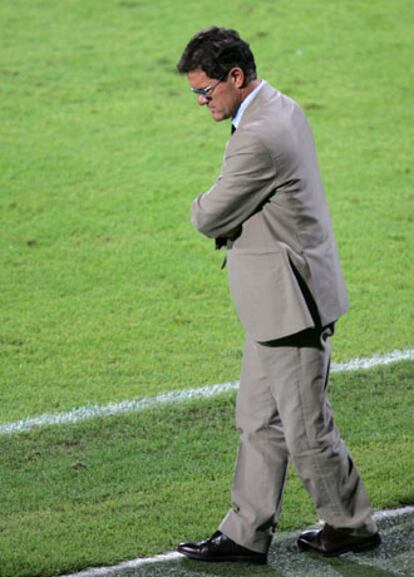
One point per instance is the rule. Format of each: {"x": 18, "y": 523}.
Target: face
{"x": 224, "y": 96}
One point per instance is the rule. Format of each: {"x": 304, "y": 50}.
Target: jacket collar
{"x": 244, "y": 105}
{"x": 263, "y": 97}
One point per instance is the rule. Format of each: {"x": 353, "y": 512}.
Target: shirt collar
{"x": 240, "y": 111}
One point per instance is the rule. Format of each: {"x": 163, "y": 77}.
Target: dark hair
{"x": 216, "y": 51}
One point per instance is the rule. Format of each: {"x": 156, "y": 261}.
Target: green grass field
{"x": 107, "y": 293}
{"x": 136, "y": 485}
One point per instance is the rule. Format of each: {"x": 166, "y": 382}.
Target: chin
{"x": 218, "y": 116}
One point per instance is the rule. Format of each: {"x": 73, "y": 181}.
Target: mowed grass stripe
{"x": 100, "y": 492}
{"x": 99, "y": 411}
{"x": 172, "y": 556}
{"x": 107, "y": 291}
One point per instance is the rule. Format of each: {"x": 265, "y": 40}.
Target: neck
{"x": 244, "y": 92}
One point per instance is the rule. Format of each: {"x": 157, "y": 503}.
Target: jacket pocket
{"x": 266, "y": 294}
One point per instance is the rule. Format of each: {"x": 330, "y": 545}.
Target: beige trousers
{"x": 283, "y": 412}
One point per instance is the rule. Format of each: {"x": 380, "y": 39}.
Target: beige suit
{"x": 287, "y": 285}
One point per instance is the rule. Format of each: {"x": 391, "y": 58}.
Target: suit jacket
{"x": 283, "y": 266}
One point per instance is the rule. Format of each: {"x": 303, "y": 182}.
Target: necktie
{"x": 233, "y": 129}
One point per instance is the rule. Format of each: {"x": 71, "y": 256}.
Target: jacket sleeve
{"x": 247, "y": 180}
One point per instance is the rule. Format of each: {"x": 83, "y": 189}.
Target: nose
{"x": 202, "y": 99}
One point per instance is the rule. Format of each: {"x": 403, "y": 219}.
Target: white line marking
{"x": 375, "y": 361}
{"x": 392, "y": 513}
{"x": 94, "y": 411}
{"x": 135, "y": 563}
{"x": 133, "y": 406}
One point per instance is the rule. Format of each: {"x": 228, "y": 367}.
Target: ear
{"x": 236, "y": 75}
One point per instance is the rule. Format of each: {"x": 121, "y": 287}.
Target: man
{"x": 268, "y": 209}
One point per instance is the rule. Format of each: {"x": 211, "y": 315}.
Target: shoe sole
{"x": 225, "y": 559}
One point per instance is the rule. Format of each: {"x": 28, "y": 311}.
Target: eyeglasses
{"x": 208, "y": 90}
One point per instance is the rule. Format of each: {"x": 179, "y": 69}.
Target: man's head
{"x": 220, "y": 68}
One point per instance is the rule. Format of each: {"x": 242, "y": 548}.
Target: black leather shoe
{"x": 220, "y": 548}
{"x": 330, "y": 541}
